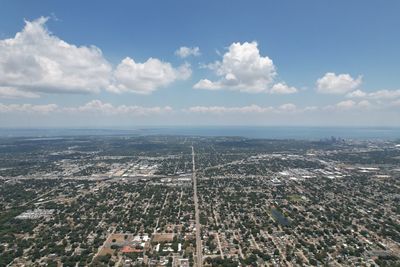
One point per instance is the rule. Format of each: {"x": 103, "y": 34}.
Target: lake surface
{"x": 279, "y": 217}
{"x": 307, "y": 133}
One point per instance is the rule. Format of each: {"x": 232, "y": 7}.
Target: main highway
{"x": 199, "y": 251}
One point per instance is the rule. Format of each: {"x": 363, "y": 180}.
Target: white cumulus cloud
{"x": 144, "y": 78}
{"x": 99, "y": 107}
{"x": 331, "y": 83}
{"x": 283, "y": 88}
{"x": 224, "y": 110}
{"x": 377, "y": 95}
{"x": 94, "y": 107}
{"x": 356, "y": 94}
{"x": 184, "y": 51}
{"x": 347, "y": 104}
{"x": 350, "y": 105}
{"x": 242, "y": 68}
{"x": 287, "y": 108}
{"x": 37, "y": 61}
{"x": 28, "y": 108}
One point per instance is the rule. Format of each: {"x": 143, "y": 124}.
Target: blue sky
{"x": 246, "y": 63}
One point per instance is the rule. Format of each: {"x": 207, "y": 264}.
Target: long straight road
{"x": 199, "y": 250}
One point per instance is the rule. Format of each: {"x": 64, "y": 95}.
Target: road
{"x": 199, "y": 250}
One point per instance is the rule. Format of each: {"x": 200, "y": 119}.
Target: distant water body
{"x": 306, "y": 133}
